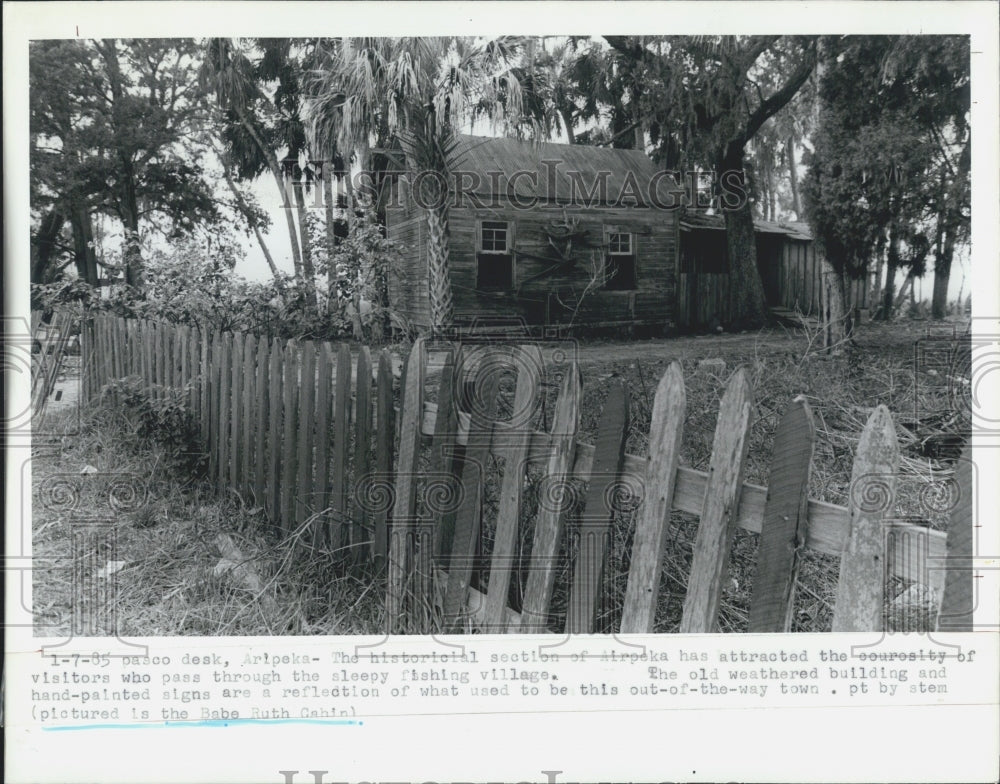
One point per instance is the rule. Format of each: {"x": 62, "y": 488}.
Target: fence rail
{"x": 313, "y": 433}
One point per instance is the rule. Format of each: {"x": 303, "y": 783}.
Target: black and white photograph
{"x": 426, "y": 338}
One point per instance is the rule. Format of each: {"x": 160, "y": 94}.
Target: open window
{"x": 494, "y": 257}
{"x": 619, "y": 262}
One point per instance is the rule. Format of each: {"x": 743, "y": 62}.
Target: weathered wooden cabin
{"x": 548, "y": 233}
{"x": 786, "y": 259}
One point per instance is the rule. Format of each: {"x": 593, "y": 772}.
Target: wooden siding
{"x": 656, "y": 241}
{"x": 800, "y": 280}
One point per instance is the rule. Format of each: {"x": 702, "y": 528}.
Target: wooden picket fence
{"x": 334, "y": 457}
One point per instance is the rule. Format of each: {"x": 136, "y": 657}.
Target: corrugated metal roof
{"x": 565, "y": 172}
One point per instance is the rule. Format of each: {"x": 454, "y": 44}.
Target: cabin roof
{"x": 702, "y": 221}
{"x": 630, "y": 176}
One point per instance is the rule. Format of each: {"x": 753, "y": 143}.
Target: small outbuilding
{"x": 786, "y": 259}
{"x": 551, "y": 234}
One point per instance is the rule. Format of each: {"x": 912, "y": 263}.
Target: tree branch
{"x": 772, "y": 105}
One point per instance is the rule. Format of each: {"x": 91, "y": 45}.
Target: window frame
{"x": 613, "y": 232}
{"x": 508, "y": 252}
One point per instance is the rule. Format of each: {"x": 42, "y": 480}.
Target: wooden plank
{"x": 324, "y": 369}
{"x": 555, "y": 492}
{"x": 339, "y": 524}
{"x": 250, "y": 409}
{"x": 443, "y": 450}
{"x": 384, "y": 439}
{"x": 467, "y": 519}
{"x": 275, "y": 430}
{"x": 958, "y": 601}
{"x": 212, "y": 388}
{"x": 225, "y": 408}
{"x": 148, "y": 375}
{"x": 861, "y": 587}
{"x": 598, "y": 513}
{"x": 360, "y": 518}
{"x": 526, "y": 398}
{"x": 236, "y": 412}
{"x": 666, "y": 428}
{"x": 783, "y": 532}
{"x": 263, "y": 423}
{"x": 304, "y": 501}
{"x": 404, "y": 520}
{"x": 204, "y": 384}
{"x": 717, "y": 526}
{"x": 291, "y": 430}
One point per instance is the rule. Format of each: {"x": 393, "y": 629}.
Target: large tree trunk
{"x": 48, "y": 233}
{"x": 438, "y": 273}
{"x": 747, "y": 308}
{"x": 836, "y": 326}
{"x": 793, "y": 176}
{"x": 567, "y": 118}
{"x": 942, "y": 276}
{"x": 329, "y": 201}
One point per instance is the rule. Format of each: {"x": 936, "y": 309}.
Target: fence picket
{"x": 236, "y": 412}
{"x": 861, "y": 587}
{"x": 225, "y": 405}
{"x": 250, "y": 401}
{"x": 272, "y": 494}
{"x": 205, "y": 384}
{"x": 666, "y": 428}
{"x": 339, "y": 525}
{"x": 262, "y": 422}
{"x": 549, "y": 520}
{"x": 213, "y": 389}
{"x": 598, "y": 513}
{"x": 404, "y": 506}
{"x": 444, "y": 455}
{"x": 305, "y": 501}
{"x": 361, "y": 523}
{"x": 526, "y": 397}
{"x": 381, "y": 484}
{"x": 467, "y": 519}
{"x": 291, "y": 428}
{"x": 717, "y": 526}
{"x": 957, "y": 602}
{"x": 324, "y": 368}
{"x": 784, "y": 529}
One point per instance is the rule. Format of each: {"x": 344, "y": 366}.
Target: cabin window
{"x": 494, "y": 260}
{"x": 619, "y": 265}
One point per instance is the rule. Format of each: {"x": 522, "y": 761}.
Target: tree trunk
{"x": 747, "y": 309}
{"x": 835, "y": 320}
{"x": 83, "y": 245}
{"x": 48, "y": 233}
{"x": 245, "y": 211}
{"x": 793, "y": 176}
{"x": 942, "y": 276}
{"x": 567, "y": 118}
{"x": 308, "y": 270}
{"x": 329, "y": 201}
{"x": 905, "y": 289}
{"x": 891, "y": 265}
{"x": 438, "y": 273}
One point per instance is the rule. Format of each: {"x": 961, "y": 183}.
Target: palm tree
{"x": 416, "y": 93}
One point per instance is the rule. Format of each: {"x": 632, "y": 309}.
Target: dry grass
{"x": 162, "y": 547}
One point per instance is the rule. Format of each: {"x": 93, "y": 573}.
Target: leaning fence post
{"x": 598, "y": 513}
{"x": 324, "y": 366}
{"x": 555, "y": 492}
{"x": 304, "y": 505}
{"x": 360, "y": 523}
{"x": 339, "y": 525}
{"x": 404, "y": 507}
{"x": 291, "y": 428}
{"x": 526, "y": 396}
{"x": 861, "y": 588}
{"x": 783, "y": 531}
{"x": 717, "y": 525}
{"x": 666, "y": 427}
